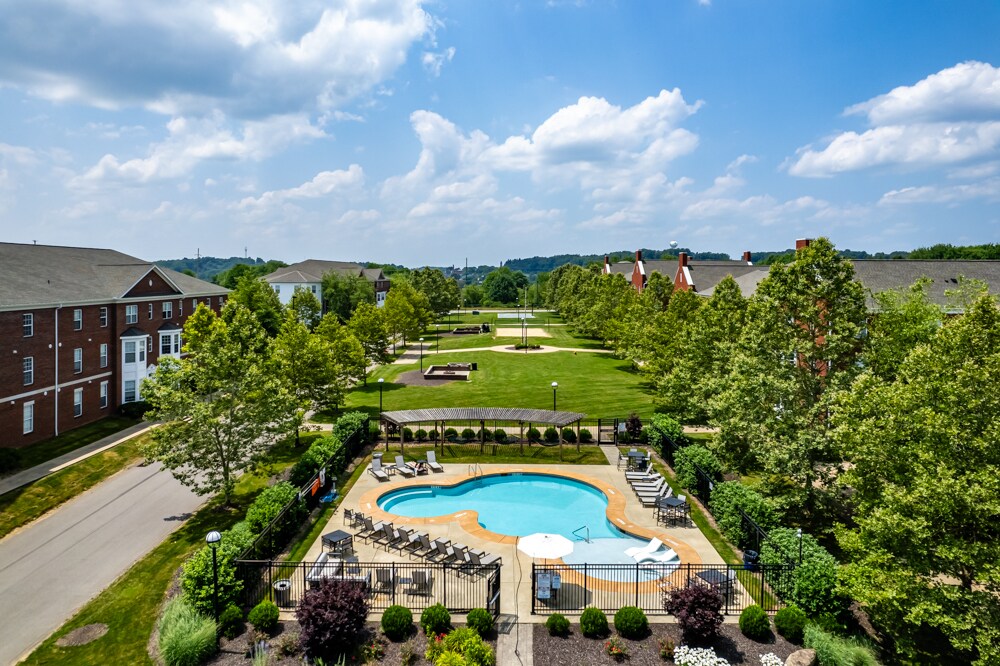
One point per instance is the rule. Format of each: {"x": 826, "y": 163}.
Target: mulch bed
{"x": 416, "y": 378}
{"x": 576, "y": 650}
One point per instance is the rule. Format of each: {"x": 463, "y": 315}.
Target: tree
{"x": 926, "y": 450}
{"x": 343, "y": 293}
{"x": 800, "y": 347}
{"x": 442, "y": 293}
{"x": 230, "y": 278}
{"x": 348, "y": 354}
{"x": 504, "y": 285}
{"x": 259, "y": 298}
{"x": 368, "y": 325}
{"x": 222, "y": 405}
{"x": 903, "y": 320}
{"x": 306, "y": 307}
{"x": 307, "y": 362}
{"x": 407, "y": 311}
{"x": 473, "y": 295}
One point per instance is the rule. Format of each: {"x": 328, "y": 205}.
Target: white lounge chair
{"x": 661, "y": 557}
{"x": 651, "y": 547}
{"x": 377, "y": 471}
{"x": 404, "y": 467}
{"x": 651, "y": 500}
{"x": 433, "y": 463}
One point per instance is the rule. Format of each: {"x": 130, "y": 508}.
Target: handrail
{"x": 583, "y": 527}
{"x": 473, "y": 469}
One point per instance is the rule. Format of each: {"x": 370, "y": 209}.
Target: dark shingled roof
{"x": 313, "y": 270}
{"x": 883, "y": 274}
{"x": 508, "y": 414}
{"x": 622, "y": 268}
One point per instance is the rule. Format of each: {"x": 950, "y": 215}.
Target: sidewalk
{"x": 32, "y": 474}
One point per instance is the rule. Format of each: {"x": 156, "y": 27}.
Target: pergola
{"x": 441, "y": 416}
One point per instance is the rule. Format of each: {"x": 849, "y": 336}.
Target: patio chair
{"x": 663, "y": 557}
{"x": 411, "y": 544}
{"x": 376, "y": 470}
{"x": 369, "y": 530}
{"x": 645, "y": 481}
{"x": 420, "y": 582}
{"x": 384, "y": 579}
{"x": 348, "y": 516}
{"x": 651, "y": 500}
{"x": 388, "y": 536}
{"x": 426, "y": 548}
{"x": 638, "y": 477}
{"x": 404, "y": 467}
{"x": 480, "y": 559}
{"x": 648, "y": 488}
{"x": 433, "y": 463}
{"x": 651, "y": 547}
{"x": 442, "y": 551}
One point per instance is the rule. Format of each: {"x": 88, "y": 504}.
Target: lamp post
{"x": 421, "y": 354}
{"x": 380, "y": 382}
{"x": 799, "y": 535}
{"x": 555, "y": 385}
{"x": 213, "y": 540}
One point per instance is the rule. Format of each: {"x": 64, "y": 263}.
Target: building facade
{"x": 80, "y": 328}
{"x": 308, "y": 275}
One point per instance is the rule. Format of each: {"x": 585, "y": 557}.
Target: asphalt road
{"x": 51, "y": 568}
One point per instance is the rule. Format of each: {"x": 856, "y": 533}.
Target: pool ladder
{"x": 475, "y": 471}
{"x": 583, "y": 527}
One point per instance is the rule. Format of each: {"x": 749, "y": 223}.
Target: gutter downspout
{"x": 56, "y": 390}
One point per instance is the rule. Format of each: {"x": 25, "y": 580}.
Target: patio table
{"x": 338, "y": 541}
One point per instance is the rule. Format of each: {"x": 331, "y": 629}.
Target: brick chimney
{"x": 802, "y": 242}
{"x": 682, "y": 259}
{"x": 747, "y": 259}
{"x": 638, "y": 256}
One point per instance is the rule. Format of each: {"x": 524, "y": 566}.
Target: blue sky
{"x": 431, "y": 132}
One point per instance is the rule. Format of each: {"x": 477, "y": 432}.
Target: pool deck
{"x": 624, "y": 511}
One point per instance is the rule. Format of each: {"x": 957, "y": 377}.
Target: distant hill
{"x": 207, "y": 268}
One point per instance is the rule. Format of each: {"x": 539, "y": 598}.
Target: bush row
{"x": 551, "y": 435}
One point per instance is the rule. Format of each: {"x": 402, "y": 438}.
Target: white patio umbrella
{"x": 542, "y": 545}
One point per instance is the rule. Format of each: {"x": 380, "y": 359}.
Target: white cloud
{"x": 433, "y": 62}
{"x": 322, "y": 185}
{"x": 249, "y": 58}
{"x": 937, "y": 194}
{"x": 950, "y": 117}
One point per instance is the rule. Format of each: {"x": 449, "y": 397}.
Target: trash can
{"x": 750, "y": 560}
{"x": 283, "y": 593}
{"x": 475, "y": 366}
{"x": 475, "y": 312}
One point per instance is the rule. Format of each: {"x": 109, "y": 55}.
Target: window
{"x": 130, "y": 351}
{"x": 149, "y": 345}
{"x": 104, "y": 355}
{"x": 277, "y": 288}
{"x": 29, "y": 370}
{"x": 104, "y": 395}
{"x": 131, "y": 314}
{"x": 194, "y": 305}
{"x": 104, "y": 317}
{"x": 28, "y": 322}
{"x": 180, "y": 307}
{"x": 77, "y": 319}
{"x": 165, "y": 344}
{"x": 129, "y": 390}
{"x": 29, "y": 417}
{"x": 150, "y": 310}
{"x": 78, "y": 360}
{"x": 222, "y": 301}
{"x": 168, "y": 309}
{"x": 78, "y": 402}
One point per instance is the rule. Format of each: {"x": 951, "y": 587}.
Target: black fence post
{"x": 533, "y": 588}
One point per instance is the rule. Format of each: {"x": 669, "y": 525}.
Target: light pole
{"x": 213, "y": 540}
{"x": 799, "y": 535}
{"x": 555, "y": 385}
{"x": 380, "y": 382}
{"x": 421, "y": 355}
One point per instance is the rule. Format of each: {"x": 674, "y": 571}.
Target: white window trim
{"x": 28, "y": 360}
{"x": 25, "y": 429}
{"x": 28, "y": 317}
{"x": 104, "y": 354}
{"x": 104, "y": 394}
{"x": 132, "y": 314}
{"x": 78, "y": 359}
{"x": 77, "y": 403}
{"x": 77, "y": 320}
{"x": 103, "y": 318}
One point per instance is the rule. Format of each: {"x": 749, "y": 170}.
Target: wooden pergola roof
{"x": 508, "y": 414}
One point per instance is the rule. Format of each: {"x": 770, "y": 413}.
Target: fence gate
{"x": 493, "y": 592}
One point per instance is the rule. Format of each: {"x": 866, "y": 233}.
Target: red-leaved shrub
{"x": 698, "y": 611}
{"x": 332, "y": 617}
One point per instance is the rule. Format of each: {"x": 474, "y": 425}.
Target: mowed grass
{"x": 23, "y": 505}
{"x": 130, "y": 605}
{"x": 46, "y": 450}
{"x": 598, "y": 385}
{"x": 558, "y": 336}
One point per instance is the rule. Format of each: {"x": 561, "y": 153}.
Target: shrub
{"x": 663, "y": 429}
{"x": 196, "y": 572}
{"x": 551, "y": 435}
{"x": 435, "y": 620}
{"x": 421, "y": 435}
{"x": 814, "y": 582}
{"x": 569, "y": 435}
{"x": 585, "y": 436}
{"x": 186, "y": 638}
{"x": 728, "y": 498}
{"x": 480, "y": 620}
{"x": 557, "y": 624}
{"x": 231, "y": 622}
{"x": 450, "y": 434}
{"x": 346, "y": 426}
{"x": 397, "y": 621}
{"x": 698, "y": 611}
{"x": 264, "y": 616}
{"x": 835, "y": 651}
{"x": 633, "y": 426}
{"x": 631, "y": 622}
{"x": 288, "y": 643}
{"x": 10, "y": 459}
{"x": 134, "y": 410}
{"x": 468, "y": 434}
{"x": 268, "y": 506}
{"x": 434, "y": 435}
{"x": 688, "y": 457}
{"x": 616, "y": 649}
{"x": 534, "y": 435}
{"x": 373, "y": 650}
{"x": 407, "y": 435}
{"x": 790, "y": 621}
{"x": 593, "y": 623}
{"x": 754, "y": 623}
{"x": 468, "y": 644}
{"x": 666, "y": 648}
{"x": 332, "y": 617}
{"x": 499, "y": 436}
{"x": 484, "y": 435}
{"x": 321, "y": 450}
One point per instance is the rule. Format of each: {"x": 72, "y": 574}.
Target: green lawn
{"x": 509, "y": 454}
{"x": 36, "y": 454}
{"x": 598, "y": 385}
{"x": 131, "y": 604}
{"x": 23, "y": 505}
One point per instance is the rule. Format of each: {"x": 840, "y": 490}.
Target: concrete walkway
{"x": 413, "y": 356}
{"x": 32, "y": 474}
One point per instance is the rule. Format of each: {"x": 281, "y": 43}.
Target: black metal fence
{"x": 276, "y": 535}
{"x": 568, "y": 588}
{"x": 416, "y": 585}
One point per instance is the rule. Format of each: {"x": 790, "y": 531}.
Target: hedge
{"x": 685, "y": 460}
{"x": 266, "y": 508}
{"x": 315, "y": 457}
{"x": 813, "y": 583}
{"x": 728, "y": 498}
{"x": 661, "y": 428}
{"x": 196, "y": 573}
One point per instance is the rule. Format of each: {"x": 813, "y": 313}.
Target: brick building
{"x": 686, "y": 274}
{"x": 80, "y": 328}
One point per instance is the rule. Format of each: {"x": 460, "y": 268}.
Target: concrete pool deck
{"x": 624, "y": 511}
